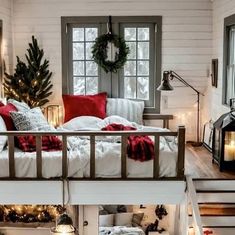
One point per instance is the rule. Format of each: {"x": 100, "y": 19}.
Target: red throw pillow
{"x": 49, "y": 143}
{"x": 84, "y": 105}
{"x": 5, "y": 113}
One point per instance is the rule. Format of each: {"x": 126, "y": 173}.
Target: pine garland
{"x": 99, "y": 52}
{"x": 31, "y": 82}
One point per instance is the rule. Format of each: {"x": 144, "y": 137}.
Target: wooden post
{"x": 39, "y": 156}
{"x": 92, "y": 157}
{"x": 64, "y": 157}
{"x": 123, "y": 157}
{"x": 156, "y": 158}
{"x": 181, "y": 151}
{"x": 11, "y": 155}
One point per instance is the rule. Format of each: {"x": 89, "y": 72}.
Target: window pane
{"x": 130, "y": 87}
{"x": 91, "y": 85}
{"x": 88, "y": 50}
{"x": 132, "y": 47}
{"x": 78, "y": 51}
{"x": 143, "y": 34}
{"x": 91, "y": 34}
{"x": 143, "y": 68}
{"x": 79, "y": 85}
{"x": 130, "y": 34}
{"x": 130, "y": 68}
{"x": 143, "y": 50}
{"x": 78, "y": 34}
{"x": 91, "y": 68}
{"x": 78, "y": 68}
{"x": 143, "y": 88}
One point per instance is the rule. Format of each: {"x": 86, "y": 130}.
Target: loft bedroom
{"x": 117, "y": 103}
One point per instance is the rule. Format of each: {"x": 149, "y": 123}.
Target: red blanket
{"x": 139, "y": 148}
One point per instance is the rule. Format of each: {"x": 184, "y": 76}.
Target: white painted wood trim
{"x": 93, "y": 192}
{"x": 197, "y": 223}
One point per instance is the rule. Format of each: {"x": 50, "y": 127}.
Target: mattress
{"x": 118, "y": 230}
{"x": 108, "y": 159}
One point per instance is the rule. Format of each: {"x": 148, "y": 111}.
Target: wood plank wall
{"x": 6, "y": 17}
{"x": 187, "y": 37}
{"x": 213, "y": 103}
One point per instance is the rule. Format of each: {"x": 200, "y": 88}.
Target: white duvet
{"x": 120, "y": 230}
{"x": 108, "y": 154}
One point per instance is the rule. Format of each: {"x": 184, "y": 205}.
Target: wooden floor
{"x": 198, "y": 164}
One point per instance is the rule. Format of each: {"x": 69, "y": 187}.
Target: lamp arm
{"x": 177, "y": 76}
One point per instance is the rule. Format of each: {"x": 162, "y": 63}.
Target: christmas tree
{"x": 31, "y": 82}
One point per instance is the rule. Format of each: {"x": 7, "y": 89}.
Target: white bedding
{"x": 108, "y": 157}
{"x": 119, "y": 230}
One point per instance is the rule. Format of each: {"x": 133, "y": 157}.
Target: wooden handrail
{"x": 92, "y": 135}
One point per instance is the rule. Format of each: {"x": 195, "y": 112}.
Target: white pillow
{"x": 82, "y": 123}
{"x": 20, "y": 106}
{"x": 130, "y": 109}
{"x": 123, "y": 219}
{"x": 3, "y": 138}
{"x": 106, "y": 220}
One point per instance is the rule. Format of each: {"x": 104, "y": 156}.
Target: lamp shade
{"x": 64, "y": 225}
{"x": 165, "y": 84}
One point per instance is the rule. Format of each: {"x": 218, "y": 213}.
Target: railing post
{"x": 181, "y": 151}
{"x": 92, "y": 157}
{"x": 39, "y": 156}
{"x": 123, "y": 157}
{"x": 156, "y": 157}
{"x": 11, "y": 155}
{"x": 64, "y": 157}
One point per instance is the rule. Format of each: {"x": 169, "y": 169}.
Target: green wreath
{"x": 99, "y": 51}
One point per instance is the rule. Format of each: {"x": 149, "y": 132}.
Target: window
{"x": 229, "y": 59}
{"x": 140, "y": 75}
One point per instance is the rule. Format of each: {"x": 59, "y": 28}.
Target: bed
{"x": 107, "y": 151}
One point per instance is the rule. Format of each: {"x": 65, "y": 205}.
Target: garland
{"x": 99, "y": 51}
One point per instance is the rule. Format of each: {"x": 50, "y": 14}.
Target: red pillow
{"x": 1, "y": 104}
{"x": 49, "y": 143}
{"x": 84, "y": 105}
{"x": 5, "y": 113}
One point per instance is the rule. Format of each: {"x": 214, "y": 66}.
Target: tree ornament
{"x": 31, "y": 81}
{"x": 110, "y": 51}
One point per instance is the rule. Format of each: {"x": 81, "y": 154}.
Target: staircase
{"x": 215, "y": 202}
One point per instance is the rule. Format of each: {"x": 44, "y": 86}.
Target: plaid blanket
{"x": 49, "y": 143}
{"x": 139, "y": 148}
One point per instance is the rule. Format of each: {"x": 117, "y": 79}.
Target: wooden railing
{"x": 92, "y": 135}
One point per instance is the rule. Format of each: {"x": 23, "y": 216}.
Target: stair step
{"x": 215, "y": 184}
{"x": 215, "y": 210}
{"x": 218, "y": 197}
{"x": 215, "y": 221}
{"x": 216, "y": 230}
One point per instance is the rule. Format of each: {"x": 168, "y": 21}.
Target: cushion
{"x": 20, "y": 106}
{"x": 1, "y": 104}
{"x": 137, "y": 219}
{"x": 3, "y": 139}
{"x": 130, "y": 109}
{"x": 31, "y": 120}
{"x": 34, "y": 120}
{"x": 88, "y": 105}
{"x": 123, "y": 219}
{"x": 106, "y": 220}
{"x": 5, "y": 114}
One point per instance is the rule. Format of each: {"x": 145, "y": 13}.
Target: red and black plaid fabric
{"x": 139, "y": 148}
{"x": 49, "y": 143}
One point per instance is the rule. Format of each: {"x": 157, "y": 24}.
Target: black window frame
{"x": 111, "y": 83}
{"x": 228, "y": 23}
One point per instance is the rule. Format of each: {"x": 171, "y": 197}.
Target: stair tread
{"x": 212, "y": 210}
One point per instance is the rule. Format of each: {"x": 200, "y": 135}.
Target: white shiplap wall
{"x": 187, "y": 37}
{"x": 6, "y": 17}
{"x": 221, "y": 9}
